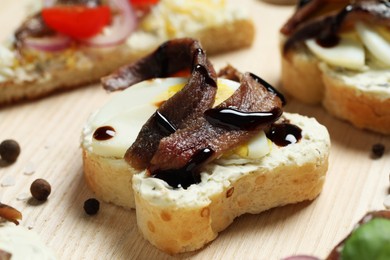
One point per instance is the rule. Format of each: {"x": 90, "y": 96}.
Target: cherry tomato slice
{"x": 77, "y": 21}
{"x": 143, "y": 2}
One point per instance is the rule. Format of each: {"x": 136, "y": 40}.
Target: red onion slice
{"x": 50, "y": 43}
{"x": 122, "y": 26}
{"x": 49, "y": 3}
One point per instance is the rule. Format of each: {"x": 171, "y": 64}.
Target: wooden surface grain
{"x": 48, "y": 131}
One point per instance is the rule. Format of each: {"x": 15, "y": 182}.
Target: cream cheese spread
{"x": 375, "y": 81}
{"x": 7, "y": 59}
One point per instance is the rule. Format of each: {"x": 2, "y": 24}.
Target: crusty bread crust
{"x": 300, "y": 77}
{"x": 310, "y": 81}
{"x": 215, "y": 39}
{"x": 56, "y": 81}
{"x": 230, "y": 36}
{"x": 109, "y": 178}
{"x": 175, "y": 224}
{"x": 181, "y": 229}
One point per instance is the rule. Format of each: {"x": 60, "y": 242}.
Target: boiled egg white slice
{"x": 141, "y": 94}
{"x": 128, "y": 111}
{"x": 348, "y": 53}
{"x": 375, "y": 43}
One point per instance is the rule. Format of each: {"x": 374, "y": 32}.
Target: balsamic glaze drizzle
{"x": 104, "y": 133}
{"x": 329, "y": 38}
{"x": 187, "y": 175}
{"x": 232, "y": 119}
{"x": 328, "y": 42}
{"x": 283, "y": 134}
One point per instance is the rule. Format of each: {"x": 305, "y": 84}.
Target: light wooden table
{"x": 48, "y": 131}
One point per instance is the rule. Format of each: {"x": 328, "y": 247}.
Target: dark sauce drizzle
{"x": 329, "y": 38}
{"x": 104, "y": 133}
{"x": 232, "y": 119}
{"x": 187, "y": 175}
{"x": 283, "y": 134}
{"x": 164, "y": 124}
{"x": 328, "y": 42}
{"x": 269, "y": 87}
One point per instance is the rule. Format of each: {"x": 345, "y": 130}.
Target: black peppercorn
{"x": 40, "y": 189}
{"x": 9, "y": 150}
{"x": 377, "y": 151}
{"x": 91, "y": 206}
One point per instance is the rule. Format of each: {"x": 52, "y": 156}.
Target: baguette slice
{"x": 360, "y": 97}
{"x": 181, "y": 220}
{"x": 111, "y": 178}
{"x": 222, "y": 168}
{"x": 286, "y": 175}
{"x": 333, "y": 56}
{"x": 301, "y": 76}
{"x": 41, "y": 73}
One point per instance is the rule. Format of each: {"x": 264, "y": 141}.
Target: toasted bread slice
{"x": 342, "y": 63}
{"x": 29, "y": 74}
{"x": 286, "y": 175}
{"x": 360, "y": 97}
{"x": 179, "y": 220}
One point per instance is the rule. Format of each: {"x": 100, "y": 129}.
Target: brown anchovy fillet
{"x": 216, "y": 135}
{"x": 371, "y": 11}
{"x": 184, "y": 107}
{"x": 335, "y": 253}
{"x": 171, "y": 57}
{"x": 307, "y": 11}
{"x": 229, "y": 72}
{"x": 9, "y": 213}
